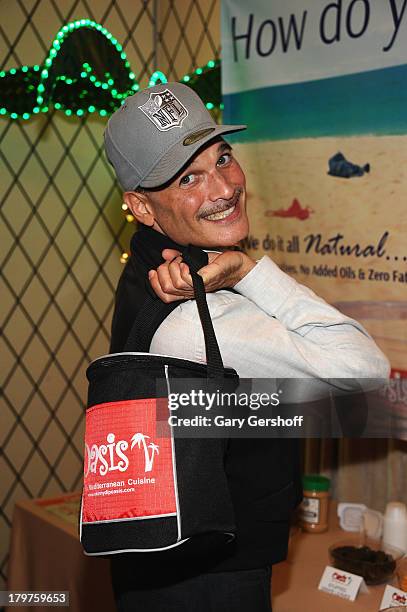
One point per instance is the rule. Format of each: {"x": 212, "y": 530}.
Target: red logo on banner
{"x": 295, "y": 211}
{"x": 128, "y": 471}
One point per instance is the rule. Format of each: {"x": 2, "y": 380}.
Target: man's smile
{"x": 226, "y": 210}
{"x": 221, "y": 215}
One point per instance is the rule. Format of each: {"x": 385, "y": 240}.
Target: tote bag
{"x": 146, "y": 490}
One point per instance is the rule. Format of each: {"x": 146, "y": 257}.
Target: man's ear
{"x": 139, "y": 205}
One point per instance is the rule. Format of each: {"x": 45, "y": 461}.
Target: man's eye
{"x": 224, "y": 159}
{"x": 187, "y": 179}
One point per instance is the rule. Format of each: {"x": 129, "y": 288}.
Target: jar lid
{"x": 315, "y": 482}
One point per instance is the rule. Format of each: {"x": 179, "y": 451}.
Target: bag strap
{"x": 150, "y": 317}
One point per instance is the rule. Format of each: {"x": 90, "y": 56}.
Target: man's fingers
{"x": 155, "y": 283}
{"x": 165, "y": 279}
{"x": 175, "y": 274}
{"x": 178, "y": 270}
{"x": 168, "y": 283}
{"x": 185, "y": 274}
{"x": 170, "y": 254}
{"x": 210, "y": 274}
{"x": 172, "y": 280}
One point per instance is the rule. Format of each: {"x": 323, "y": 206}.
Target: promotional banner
{"x": 322, "y": 87}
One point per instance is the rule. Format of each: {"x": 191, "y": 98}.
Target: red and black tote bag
{"x": 146, "y": 490}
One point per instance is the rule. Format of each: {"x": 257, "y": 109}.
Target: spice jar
{"x": 402, "y": 574}
{"x": 314, "y": 507}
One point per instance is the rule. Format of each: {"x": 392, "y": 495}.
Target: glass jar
{"x": 314, "y": 507}
{"x": 402, "y": 574}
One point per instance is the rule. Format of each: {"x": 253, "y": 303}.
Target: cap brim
{"x": 179, "y": 155}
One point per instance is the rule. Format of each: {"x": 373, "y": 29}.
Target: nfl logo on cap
{"x": 164, "y": 110}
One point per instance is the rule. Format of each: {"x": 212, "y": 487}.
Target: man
{"x": 184, "y": 186}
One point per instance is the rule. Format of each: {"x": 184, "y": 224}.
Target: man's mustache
{"x": 221, "y": 205}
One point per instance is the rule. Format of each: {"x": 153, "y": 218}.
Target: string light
{"x": 87, "y": 73}
{"x": 194, "y": 77}
{"x": 41, "y": 84}
{"x": 157, "y": 77}
{"x": 45, "y": 90}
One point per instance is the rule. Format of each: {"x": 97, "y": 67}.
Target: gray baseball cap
{"x": 155, "y": 132}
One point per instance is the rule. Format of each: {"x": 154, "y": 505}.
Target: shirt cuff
{"x": 266, "y": 285}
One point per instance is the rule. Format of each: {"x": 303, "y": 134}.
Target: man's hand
{"x": 172, "y": 280}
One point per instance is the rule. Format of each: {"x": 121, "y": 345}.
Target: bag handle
{"x": 148, "y": 319}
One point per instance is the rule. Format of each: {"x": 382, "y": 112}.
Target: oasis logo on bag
{"x": 128, "y": 467}
{"x": 109, "y": 457}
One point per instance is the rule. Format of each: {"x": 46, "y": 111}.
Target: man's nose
{"x": 220, "y": 188}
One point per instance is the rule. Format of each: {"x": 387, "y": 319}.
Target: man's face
{"x": 206, "y": 204}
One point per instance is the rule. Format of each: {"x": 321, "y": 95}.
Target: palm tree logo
{"x": 140, "y": 439}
